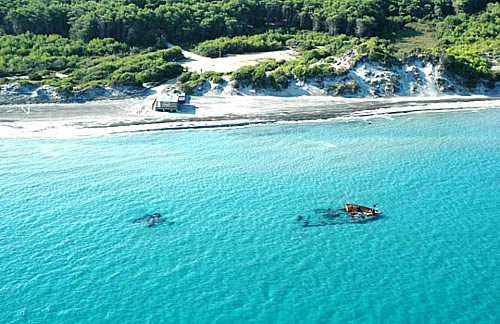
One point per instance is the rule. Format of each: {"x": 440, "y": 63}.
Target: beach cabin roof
{"x": 168, "y": 98}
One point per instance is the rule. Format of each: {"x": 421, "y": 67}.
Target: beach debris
{"x": 353, "y": 209}
{"x": 152, "y": 220}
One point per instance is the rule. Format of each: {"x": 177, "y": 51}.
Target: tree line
{"x": 154, "y": 22}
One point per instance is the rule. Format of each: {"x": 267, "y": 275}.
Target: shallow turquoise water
{"x": 236, "y": 253}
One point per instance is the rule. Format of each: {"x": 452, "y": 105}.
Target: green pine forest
{"x": 125, "y": 42}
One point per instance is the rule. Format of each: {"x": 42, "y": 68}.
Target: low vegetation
{"x": 416, "y": 38}
{"x": 189, "y": 81}
{"x": 470, "y": 43}
{"x": 57, "y": 61}
{"x": 242, "y": 44}
{"x": 318, "y": 63}
{"x": 123, "y": 42}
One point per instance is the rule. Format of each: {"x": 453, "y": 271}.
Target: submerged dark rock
{"x": 336, "y": 216}
{"x": 152, "y": 220}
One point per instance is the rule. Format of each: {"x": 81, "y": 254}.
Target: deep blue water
{"x": 69, "y": 251}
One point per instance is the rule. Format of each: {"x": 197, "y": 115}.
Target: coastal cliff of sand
{"x": 361, "y": 77}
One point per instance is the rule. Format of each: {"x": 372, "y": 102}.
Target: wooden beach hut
{"x": 168, "y": 103}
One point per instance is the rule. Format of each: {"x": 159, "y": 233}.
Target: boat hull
{"x": 353, "y": 209}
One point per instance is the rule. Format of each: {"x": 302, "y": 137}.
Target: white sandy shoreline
{"x": 130, "y": 116}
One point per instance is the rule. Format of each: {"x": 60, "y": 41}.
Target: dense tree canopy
{"x": 153, "y": 22}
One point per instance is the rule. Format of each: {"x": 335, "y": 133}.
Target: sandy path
{"x": 229, "y": 63}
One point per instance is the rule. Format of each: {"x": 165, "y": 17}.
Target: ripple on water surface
{"x": 236, "y": 252}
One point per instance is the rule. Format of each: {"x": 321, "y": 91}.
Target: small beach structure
{"x": 168, "y": 103}
{"x": 181, "y": 96}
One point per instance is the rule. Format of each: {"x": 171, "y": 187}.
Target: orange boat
{"x": 353, "y": 210}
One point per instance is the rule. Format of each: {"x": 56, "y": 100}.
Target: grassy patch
{"x": 188, "y": 81}
{"x": 415, "y": 38}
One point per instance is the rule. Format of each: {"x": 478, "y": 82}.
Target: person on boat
{"x": 373, "y": 210}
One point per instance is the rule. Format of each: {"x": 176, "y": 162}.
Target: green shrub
{"x": 160, "y": 73}
{"x": 24, "y": 83}
{"x": 470, "y": 68}
{"x": 353, "y": 86}
{"x": 99, "y": 60}
{"x": 184, "y": 77}
{"x": 340, "y": 89}
{"x": 125, "y": 79}
{"x": 280, "y": 79}
{"x": 65, "y": 89}
{"x": 215, "y": 77}
{"x": 242, "y": 44}
{"x": 243, "y": 76}
{"x": 35, "y": 76}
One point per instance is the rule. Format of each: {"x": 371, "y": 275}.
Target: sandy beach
{"x": 131, "y": 116}
{"x": 227, "y": 108}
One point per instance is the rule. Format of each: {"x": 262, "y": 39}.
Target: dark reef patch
{"x": 332, "y": 216}
{"x": 152, "y": 220}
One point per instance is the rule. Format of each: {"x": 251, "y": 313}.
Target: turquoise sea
{"x": 71, "y": 253}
